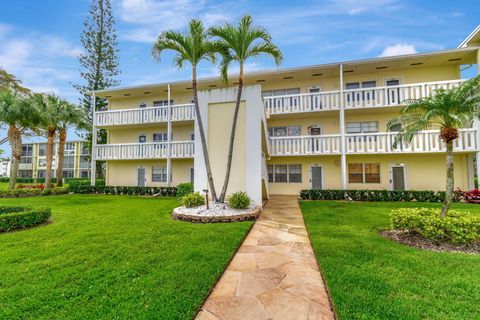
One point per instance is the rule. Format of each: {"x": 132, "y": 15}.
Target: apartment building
{"x": 321, "y": 126}
{"x": 33, "y": 161}
{"x": 4, "y": 167}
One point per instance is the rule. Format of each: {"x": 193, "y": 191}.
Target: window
{"x": 26, "y": 160}
{"x": 42, "y": 149}
{"x": 295, "y": 173}
{"x": 142, "y": 138}
{"x": 364, "y": 173}
{"x": 27, "y": 150}
{"x": 281, "y": 173}
{"x": 84, "y": 162}
{"x": 84, "y": 148}
{"x": 41, "y": 174}
{"x": 362, "y": 127}
{"x": 280, "y": 92}
{"x": 25, "y": 173}
{"x": 68, "y": 162}
{"x": 285, "y": 173}
{"x": 160, "y": 137}
{"x": 69, "y": 148}
{"x": 286, "y": 131}
{"x": 68, "y": 174}
{"x": 362, "y": 95}
{"x": 162, "y": 103}
{"x": 42, "y": 162}
{"x": 192, "y": 175}
{"x": 84, "y": 174}
{"x": 392, "y": 82}
{"x": 142, "y": 105}
{"x": 159, "y": 174}
{"x": 192, "y": 136}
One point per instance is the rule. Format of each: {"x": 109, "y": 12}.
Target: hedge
{"x": 122, "y": 190}
{"x": 32, "y": 192}
{"x": 14, "y": 218}
{"x": 27, "y": 180}
{"x": 375, "y": 195}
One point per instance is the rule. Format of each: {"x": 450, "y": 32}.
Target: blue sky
{"x": 40, "y": 38}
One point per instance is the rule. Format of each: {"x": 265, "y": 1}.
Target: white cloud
{"x": 147, "y": 18}
{"x": 398, "y": 49}
{"x": 36, "y": 59}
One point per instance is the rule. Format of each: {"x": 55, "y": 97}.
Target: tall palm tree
{"x": 191, "y": 47}
{"x": 448, "y": 110}
{"x": 50, "y": 108}
{"x": 21, "y": 117}
{"x": 243, "y": 41}
{"x": 70, "y": 115}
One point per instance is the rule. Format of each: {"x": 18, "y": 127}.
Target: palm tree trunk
{"x": 450, "y": 180}
{"x": 62, "y": 136}
{"x": 202, "y": 136}
{"x": 48, "y": 171}
{"x": 232, "y": 135}
{"x": 15, "y": 140}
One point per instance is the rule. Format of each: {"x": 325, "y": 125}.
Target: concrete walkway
{"x": 274, "y": 274}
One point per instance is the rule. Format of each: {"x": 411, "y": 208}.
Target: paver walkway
{"x": 274, "y": 274}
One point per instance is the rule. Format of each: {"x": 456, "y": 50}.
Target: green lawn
{"x": 3, "y": 185}
{"x": 111, "y": 257}
{"x": 370, "y": 277}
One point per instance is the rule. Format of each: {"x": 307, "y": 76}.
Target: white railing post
{"x": 93, "y": 169}
{"x": 343, "y": 156}
{"x": 169, "y": 138}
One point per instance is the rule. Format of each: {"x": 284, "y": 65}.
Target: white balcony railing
{"x": 132, "y": 151}
{"x": 305, "y": 145}
{"x": 370, "y": 143}
{"x": 387, "y": 96}
{"x": 425, "y": 141}
{"x": 304, "y": 102}
{"x": 183, "y": 112}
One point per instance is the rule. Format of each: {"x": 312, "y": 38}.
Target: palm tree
{"x": 244, "y": 41}
{"x": 50, "y": 108}
{"x": 70, "y": 115}
{"x": 21, "y": 117}
{"x": 191, "y": 47}
{"x": 448, "y": 110}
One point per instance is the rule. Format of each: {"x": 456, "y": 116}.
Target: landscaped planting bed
{"x": 112, "y": 257}
{"x": 14, "y": 218}
{"x": 375, "y": 195}
{"x": 371, "y": 277}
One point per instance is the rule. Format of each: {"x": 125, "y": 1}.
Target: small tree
{"x": 448, "y": 110}
{"x": 10, "y": 82}
{"x": 17, "y": 112}
{"x": 70, "y": 115}
{"x": 244, "y": 41}
{"x": 191, "y": 47}
{"x": 99, "y": 62}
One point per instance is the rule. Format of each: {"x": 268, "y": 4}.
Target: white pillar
{"x": 343, "y": 157}
{"x": 470, "y": 172}
{"x": 93, "y": 169}
{"x": 169, "y": 138}
{"x": 476, "y": 125}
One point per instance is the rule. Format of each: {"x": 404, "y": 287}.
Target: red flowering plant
{"x": 472, "y": 196}
{"x": 31, "y": 186}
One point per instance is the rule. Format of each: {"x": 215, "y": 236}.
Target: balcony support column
{"x": 169, "y": 138}
{"x": 476, "y": 126}
{"x": 93, "y": 165}
{"x": 343, "y": 156}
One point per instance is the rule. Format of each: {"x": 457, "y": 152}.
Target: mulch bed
{"x": 419, "y": 242}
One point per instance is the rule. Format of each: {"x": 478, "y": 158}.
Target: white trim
{"x": 464, "y": 43}
{"x": 322, "y": 181}
{"x": 390, "y": 174}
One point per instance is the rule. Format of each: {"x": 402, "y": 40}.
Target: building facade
{"x": 322, "y": 126}
{"x": 33, "y": 161}
{"x": 4, "y": 168}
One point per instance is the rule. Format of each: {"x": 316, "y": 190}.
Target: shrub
{"x": 375, "y": 195}
{"x": 31, "y": 186}
{"x": 472, "y": 196}
{"x": 239, "y": 200}
{"x": 32, "y": 192}
{"x": 13, "y": 218}
{"x": 122, "y": 190}
{"x": 193, "y": 199}
{"x": 458, "y": 227}
{"x": 184, "y": 189}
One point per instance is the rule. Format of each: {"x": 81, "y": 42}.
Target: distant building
{"x": 33, "y": 161}
{"x": 4, "y": 167}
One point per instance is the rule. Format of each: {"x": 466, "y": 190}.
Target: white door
{"x": 316, "y": 177}
{"x": 141, "y": 177}
{"x": 397, "y": 177}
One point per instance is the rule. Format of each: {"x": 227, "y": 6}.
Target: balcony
{"x": 370, "y": 143}
{"x": 136, "y": 151}
{"x": 181, "y": 112}
{"x": 387, "y": 96}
